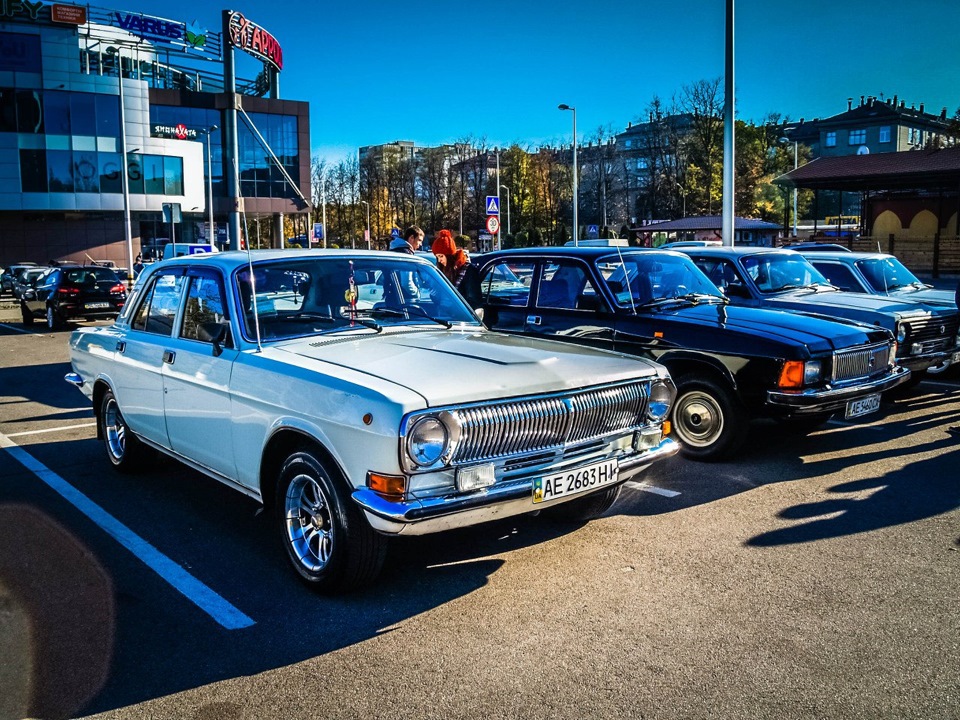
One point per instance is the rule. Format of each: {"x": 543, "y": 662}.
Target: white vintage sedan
{"x": 351, "y": 423}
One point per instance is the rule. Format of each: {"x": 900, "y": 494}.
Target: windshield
{"x": 90, "y": 274}
{"x": 322, "y": 295}
{"x": 640, "y": 279}
{"x": 884, "y": 274}
{"x": 775, "y": 272}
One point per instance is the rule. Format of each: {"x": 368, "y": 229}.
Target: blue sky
{"x": 434, "y": 72}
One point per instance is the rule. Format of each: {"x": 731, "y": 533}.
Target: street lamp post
{"x": 508, "y": 207}
{"x": 368, "y": 222}
{"x": 213, "y": 237}
{"x": 576, "y": 202}
{"x": 683, "y": 194}
{"x": 795, "y": 158}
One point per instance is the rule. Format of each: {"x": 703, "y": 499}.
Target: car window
{"x": 885, "y": 274}
{"x": 639, "y": 278}
{"x": 562, "y": 285}
{"x": 158, "y": 309}
{"x": 204, "y": 310}
{"x": 507, "y": 283}
{"x": 776, "y": 272}
{"x": 839, "y": 275}
{"x": 90, "y": 275}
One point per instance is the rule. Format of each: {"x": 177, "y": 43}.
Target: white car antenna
{"x": 626, "y": 277}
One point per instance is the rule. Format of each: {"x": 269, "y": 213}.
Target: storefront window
{"x": 60, "y": 170}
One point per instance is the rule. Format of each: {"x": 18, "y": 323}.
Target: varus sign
{"x": 149, "y": 27}
{"x": 253, "y": 39}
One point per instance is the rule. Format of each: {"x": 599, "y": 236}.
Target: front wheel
{"x": 126, "y": 451}
{"x": 709, "y": 420}
{"x": 325, "y": 537}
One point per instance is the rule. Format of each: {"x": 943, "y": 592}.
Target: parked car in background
{"x": 73, "y": 292}
{"x": 9, "y": 274}
{"x": 352, "y": 424}
{"x": 804, "y": 247}
{"x": 730, "y": 364}
{"x": 26, "y": 279}
{"x": 927, "y": 335}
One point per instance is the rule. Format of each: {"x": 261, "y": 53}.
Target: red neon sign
{"x": 253, "y": 39}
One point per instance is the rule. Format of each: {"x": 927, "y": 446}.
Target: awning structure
{"x": 708, "y": 222}
{"x": 916, "y": 169}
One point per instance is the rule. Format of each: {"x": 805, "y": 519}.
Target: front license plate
{"x": 863, "y": 406}
{"x": 578, "y": 480}
{"x": 955, "y": 358}
{"x": 96, "y": 305}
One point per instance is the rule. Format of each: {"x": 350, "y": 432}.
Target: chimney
{"x": 902, "y": 104}
{"x": 894, "y": 100}
{"x": 801, "y": 119}
{"x": 921, "y": 108}
{"x": 943, "y": 113}
{"x": 629, "y": 124}
{"x": 871, "y": 100}
{"x": 849, "y": 104}
{"x": 862, "y": 97}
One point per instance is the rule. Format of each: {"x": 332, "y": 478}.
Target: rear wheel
{"x": 330, "y": 544}
{"x": 585, "y": 508}
{"x": 708, "y": 419}
{"x": 124, "y": 449}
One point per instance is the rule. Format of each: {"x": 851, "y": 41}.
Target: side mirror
{"x": 479, "y": 313}
{"x": 214, "y": 332}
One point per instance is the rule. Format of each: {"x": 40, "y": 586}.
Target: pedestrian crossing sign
{"x": 493, "y": 205}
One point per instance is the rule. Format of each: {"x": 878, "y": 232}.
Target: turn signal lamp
{"x": 391, "y": 486}
{"x": 796, "y": 373}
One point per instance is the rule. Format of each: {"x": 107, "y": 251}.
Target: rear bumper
{"x": 832, "y": 399}
{"x": 502, "y": 500}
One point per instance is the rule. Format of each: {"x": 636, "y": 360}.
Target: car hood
{"x": 816, "y": 332}
{"x": 871, "y": 309}
{"x": 930, "y": 296}
{"x": 455, "y": 366}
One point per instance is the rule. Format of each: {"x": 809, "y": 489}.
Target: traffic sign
{"x": 593, "y": 231}
{"x": 493, "y": 224}
{"x": 493, "y": 205}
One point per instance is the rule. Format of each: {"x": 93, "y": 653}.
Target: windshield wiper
{"x": 696, "y": 298}
{"x": 308, "y": 316}
{"x": 410, "y": 309}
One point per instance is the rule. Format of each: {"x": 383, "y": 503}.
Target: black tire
{"x": 329, "y": 543}
{"x": 54, "y": 321}
{"x": 125, "y": 451}
{"x": 709, "y": 421}
{"x": 26, "y": 314}
{"x": 585, "y": 508}
{"x": 804, "y": 424}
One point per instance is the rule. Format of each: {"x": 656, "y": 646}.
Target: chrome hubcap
{"x": 309, "y": 525}
{"x": 698, "y": 419}
{"x": 114, "y": 430}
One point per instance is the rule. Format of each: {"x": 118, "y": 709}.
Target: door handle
{"x": 169, "y": 356}
{"x": 533, "y": 319}
{"x": 121, "y": 345}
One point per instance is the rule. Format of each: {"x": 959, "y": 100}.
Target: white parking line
{"x": 16, "y": 329}
{"x": 651, "y": 489}
{"x": 186, "y": 584}
{"x": 50, "y": 430}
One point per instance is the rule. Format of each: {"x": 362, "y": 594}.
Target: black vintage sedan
{"x": 74, "y": 292}
{"x": 927, "y": 335}
{"x": 730, "y": 364}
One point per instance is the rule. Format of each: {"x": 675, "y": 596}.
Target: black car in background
{"x": 730, "y": 364}
{"x": 9, "y": 274}
{"x": 25, "y": 279}
{"x": 74, "y": 292}
{"x": 927, "y": 335}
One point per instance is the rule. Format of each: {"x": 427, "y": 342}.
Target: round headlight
{"x": 661, "y": 395}
{"x": 427, "y": 441}
{"x": 901, "y": 332}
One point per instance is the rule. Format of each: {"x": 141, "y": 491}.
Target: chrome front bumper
{"x": 817, "y": 401}
{"x": 502, "y": 500}
{"x": 926, "y": 360}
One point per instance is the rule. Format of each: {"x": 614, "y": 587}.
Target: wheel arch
{"x": 681, "y": 363}
{"x": 100, "y": 388}
{"x": 282, "y": 443}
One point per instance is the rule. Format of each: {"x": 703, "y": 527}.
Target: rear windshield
{"x": 92, "y": 274}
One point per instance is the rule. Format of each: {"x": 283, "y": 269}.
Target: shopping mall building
{"x": 107, "y": 121}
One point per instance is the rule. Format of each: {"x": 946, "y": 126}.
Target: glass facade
{"x": 86, "y": 171}
{"x": 164, "y": 118}
{"x": 259, "y": 175}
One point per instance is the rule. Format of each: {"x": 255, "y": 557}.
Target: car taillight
{"x": 118, "y": 289}
{"x": 68, "y": 291}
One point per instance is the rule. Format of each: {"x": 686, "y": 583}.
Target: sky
{"x": 435, "y": 72}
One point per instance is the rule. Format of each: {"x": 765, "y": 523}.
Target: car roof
{"x": 585, "y": 252}
{"x": 232, "y": 259}
{"x": 727, "y": 251}
{"x": 848, "y": 256}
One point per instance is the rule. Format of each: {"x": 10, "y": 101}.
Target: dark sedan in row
{"x": 730, "y": 364}
{"x": 73, "y": 292}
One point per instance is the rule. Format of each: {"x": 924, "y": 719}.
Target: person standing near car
{"x": 457, "y": 268}
{"x": 410, "y": 242}
{"x": 138, "y": 266}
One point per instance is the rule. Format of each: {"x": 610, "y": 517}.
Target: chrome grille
{"x": 933, "y": 333}
{"x": 860, "y": 362}
{"x": 536, "y": 424}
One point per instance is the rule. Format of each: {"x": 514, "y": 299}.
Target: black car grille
{"x": 537, "y": 424}
{"x": 860, "y": 362}
{"x": 936, "y": 333}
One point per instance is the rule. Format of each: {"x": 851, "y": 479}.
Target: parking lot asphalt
{"x": 813, "y": 577}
